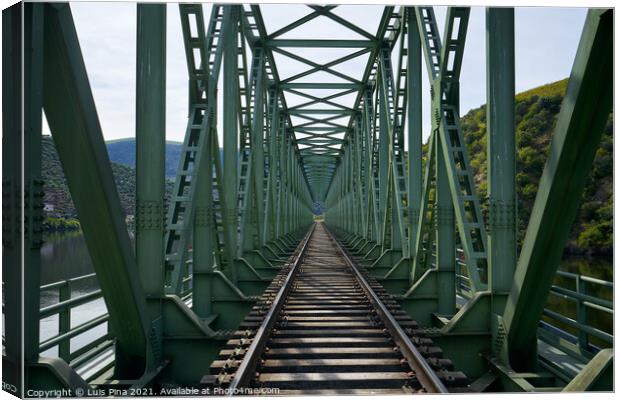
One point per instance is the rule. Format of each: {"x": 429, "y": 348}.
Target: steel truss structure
{"x": 202, "y": 257}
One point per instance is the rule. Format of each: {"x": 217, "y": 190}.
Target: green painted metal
{"x": 12, "y": 195}
{"x": 234, "y": 115}
{"x": 201, "y": 48}
{"x": 246, "y": 249}
{"x": 81, "y": 149}
{"x": 586, "y": 107}
{"x": 320, "y": 67}
{"x": 445, "y": 246}
{"x": 33, "y": 183}
{"x": 300, "y": 21}
{"x": 501, "y": 153}
{"x": 243, "y": 215}
{"x": 253, "y": 208}
{"x": 270, "y": 145}
{"x": 425, "y": 218}
{"x": 319, "y": 43}
{"x": 23, "y": 368}
{"x": 150, "y": 154}
{"x": 414, "y": 132}
{"x": 464, "y": 198}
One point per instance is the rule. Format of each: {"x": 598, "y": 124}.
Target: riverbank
{"x": 59, "y": 224}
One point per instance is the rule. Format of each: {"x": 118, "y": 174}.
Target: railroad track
{"x": 324, "y": 326}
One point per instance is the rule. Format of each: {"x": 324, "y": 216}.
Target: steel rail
{"x": 424, "y": 373}
{"x": 247, "y": 367}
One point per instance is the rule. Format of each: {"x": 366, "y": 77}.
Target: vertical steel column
{"x": 230, "y": 183}
{"x": 254, "y": 205}
{"x": 501, "y": 149}
{"x": 12, "y": 217}
{"x": 359, "y": 205}
{"x": 269, "y": 222}
{"x": 287, "y": 191}
{"x": 204, "y": 236}
{"x": 371, "y": 223}
{"x": 281, "y": 148}
{"x": 346, "y": 189}
{"x": 258, "y": 148}
{"x": 33, "y": 184}
{"x": 282, "y": 231}
{"x": 414, "y": 120}
{"x": 585, "y": 109}
{"x": 150, "y": 151}
{"x": 444, "y": 236}
{"x": 383, "y": 161}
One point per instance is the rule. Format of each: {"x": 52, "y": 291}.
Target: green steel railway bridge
{"x": 323, "y": 250}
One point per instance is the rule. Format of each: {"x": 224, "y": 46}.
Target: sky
{"x": 546, "y": 40}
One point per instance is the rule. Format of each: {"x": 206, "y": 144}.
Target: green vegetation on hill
{"x": 57, "y": 192}
{"x": 60, "y": 212}
{"x": 60, "y": 224}
{"x": 536, "y": 112}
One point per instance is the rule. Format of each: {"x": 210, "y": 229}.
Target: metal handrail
{"x": 586, "y": 278}
{"x": 86, "y": 326}
{"x": 63, "y": 308}
{"x": 56, "y": 285}
{"x": 594, "y": 302}
{"x": 582, "y": 300}
{"x": 70, "y": 303}
{"x": 581, "y": 327}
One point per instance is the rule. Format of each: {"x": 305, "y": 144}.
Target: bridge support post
{"x": 383, "y": 157}
{"x": 204, "y": 235}
{"x": 444, "y": 237}
{"x": 33, "y": 184}
{"x": 230, "y": 125}
{"x": 258, "y": 157}
{"x": 584, "y": 111}
{"x": 150, "y": 156}
{"x": 12, "y": 234}
{"x": 502, "y": 246}
{"x": 22, "y": 226}
{"x": 414, "y": 117}
{"x": 269, "y": 221}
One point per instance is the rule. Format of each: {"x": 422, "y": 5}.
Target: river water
{"x": 65, "y": 256}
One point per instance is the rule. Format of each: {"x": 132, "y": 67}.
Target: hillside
{"x": 536, "y": 111}
{"x": 56, "y": 190}
{"x": 60, "y": 212}
{"x": 123, "y": 151}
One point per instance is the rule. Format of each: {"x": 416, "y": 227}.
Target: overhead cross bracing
{"x": 321, "y": 80}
